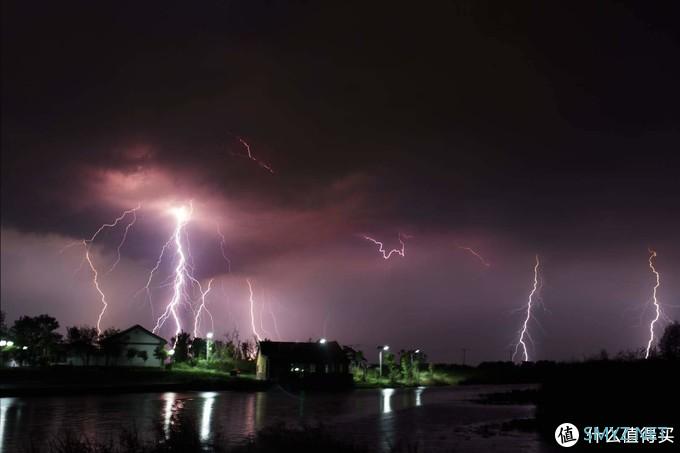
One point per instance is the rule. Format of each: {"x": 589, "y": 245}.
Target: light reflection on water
{"x": 234, "y": 416}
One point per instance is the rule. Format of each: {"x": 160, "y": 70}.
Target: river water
{"x": 429, "y": 419}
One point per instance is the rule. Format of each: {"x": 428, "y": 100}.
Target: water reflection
{"x": 386, "y": 400}
{"x": 5, "y": 404}
{"x": 206, "y": 414}
{"x": 419, "y": 392}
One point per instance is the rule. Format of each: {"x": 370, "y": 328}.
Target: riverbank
{"x": 69, "y": 380}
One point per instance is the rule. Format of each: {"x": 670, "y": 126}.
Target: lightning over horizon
{"x": 524, "y": 332}
{"x": 657, "y": 283}
{"x": 87, "y": 258}
{"x": 252, "y": 310}
{"x": 182, "y": 217}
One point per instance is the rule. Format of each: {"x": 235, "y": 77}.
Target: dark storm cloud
{"x": 519, "y": 128}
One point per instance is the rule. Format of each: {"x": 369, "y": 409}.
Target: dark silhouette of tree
{"x": 198, "y": 346}
{"x": 669, "y": 343}
{"x": 143, "y": 355}
{"x": 110, "y": 349}
{"x": 4, "y": 331}
{"x": 182, "y": 343}
{"x": 161, "y": 354}
{"x": 132, "y": 353}
{"x": 38, "y": 334}
{"x": 82, "y": 341}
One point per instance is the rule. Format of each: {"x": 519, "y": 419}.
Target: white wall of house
{"x": 136, "y": 338}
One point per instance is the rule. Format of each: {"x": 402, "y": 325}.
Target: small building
{"x": 310, "y": 364}
{"x": 135, "y": 346}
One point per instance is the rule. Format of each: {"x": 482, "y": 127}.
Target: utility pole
{"x": 464, "y": 350}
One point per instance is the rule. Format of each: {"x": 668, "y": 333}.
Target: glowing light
{"x": 385, "y": 400}
{"x": 476, "y": 255}
{"x": 385, "y": 254}
{"x": 206, "y": 414}
{"x": 652, "y": 255}
{"x": 182, "y": 217}
{"x": 524, "y": 331}
{"x": 322, "y": 341}
{"x": 252, "y": 311}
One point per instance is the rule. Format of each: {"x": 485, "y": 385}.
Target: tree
{"x": 3, "y": 327}
{"x": 161, "y": 354}
{"x": 669, "y": 343}
{"x": 108, "y": 347}
{"x": 182, "y": 343}
{"x": 143, "y": 355}
{"x": 82, "y": 342}
{"x": 38, "y": 334}
{"x": 132, "y": 353}
{"x": 198, "y": 346}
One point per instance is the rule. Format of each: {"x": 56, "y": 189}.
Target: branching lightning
{"x": 476, "y": 255}
{"x": 652, "y": 255}
{"x": 524, "y": 331}
{"x": 124, "y": 238}
{"x": 182, "y": 217}
{"x": 252, "y": 310}
{"x": 202, "y": 308}
{"x": 87, "y": 258}
{"x": 385, "y": 254}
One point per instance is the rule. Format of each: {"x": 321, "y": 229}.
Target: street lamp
{"x": 322, "y": 341}
{"x": 10, "y": 343}
{"x": 3, "y": 343}
{"x": 380, "y": 354}
{"x": 209, "y": 336}
{"x": 417, "y": 351}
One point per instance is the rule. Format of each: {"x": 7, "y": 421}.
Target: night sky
{"x": 513, "y": 128}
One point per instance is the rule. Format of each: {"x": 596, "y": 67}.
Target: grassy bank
{"x": 58, "y": 380}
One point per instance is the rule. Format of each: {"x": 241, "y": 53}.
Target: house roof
{"x": 303, "y": 352}
{"x": 118, "y": 336}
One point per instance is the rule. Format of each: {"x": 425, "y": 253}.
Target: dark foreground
{"x": 68, "y": 380}
{"x": 587, "y": 394}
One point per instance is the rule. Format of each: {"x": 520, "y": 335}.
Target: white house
{"x": 138, "y": 339}
{"x": 135, "y": 346}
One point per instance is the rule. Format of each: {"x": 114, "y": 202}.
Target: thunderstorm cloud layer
{"x": 439, "y": 128}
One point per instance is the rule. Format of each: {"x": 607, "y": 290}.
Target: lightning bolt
{"x": 87, "y": 258}
{"x": 182, "y": 217}
{"x": 124, "y": 238}
{"x": 524, "y": 332}
{"x": 223, "y": 243}
{"x": 95, "y": 280}
{"x": 252, "y": 311}
{"x": 381, "y": 248}
{"x": 476, "y": 255}
{"x": 249, "y": 155}
{"x": 147, "y": 287}
{"x": 202, "y": 307}
{"x": 652, "y": 255}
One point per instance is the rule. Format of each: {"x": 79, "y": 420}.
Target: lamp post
{"x": 380, "y": 354}
{"x": 416, "y": 352}
{"x": 209, "y": 337}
